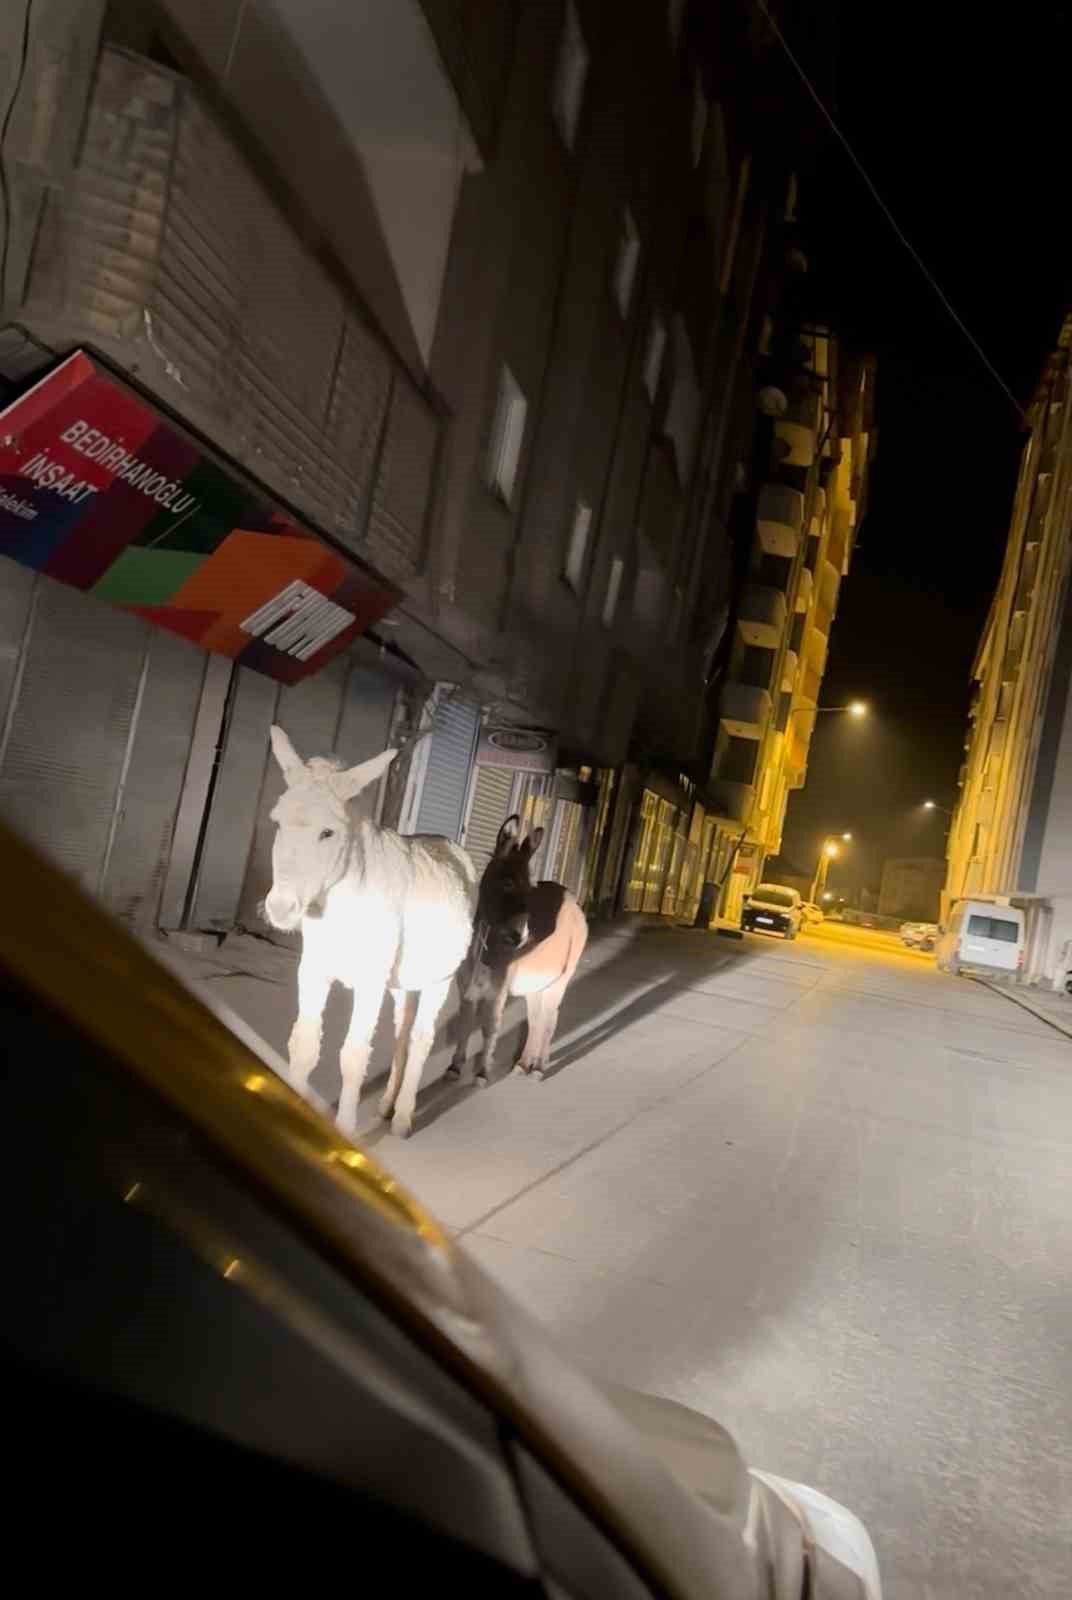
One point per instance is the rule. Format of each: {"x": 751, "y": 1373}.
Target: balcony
{"x": 744, "y": 710}
{"x": 780, "y": 519}
{"x": 762, "y": 616}
{"x": 796, "y": 434}
{"x": 837, "y": 546}
{"x": 811, "y": 682}
{"x": 804, "y": 590}
{"x": 790, "y": 668}
{"x": 732, "y": 801}
{"x": 984, "y": 811}
{"x": 998, "y": 733}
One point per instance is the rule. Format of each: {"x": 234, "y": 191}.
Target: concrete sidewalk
{"x": 815, "y": 1190}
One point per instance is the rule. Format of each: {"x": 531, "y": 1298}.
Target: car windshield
{"x": 771, "y": 895}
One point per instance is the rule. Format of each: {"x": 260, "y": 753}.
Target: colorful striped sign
{"x": 100, "y": 491}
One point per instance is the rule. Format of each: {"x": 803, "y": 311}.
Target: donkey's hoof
{"x": 453, "y": 1072}
{"x": 538, "y": 1074}
{"x": 386, "y": 1109}
{"x": 401, "y": 1126}
{"x": 481, "y": 1080}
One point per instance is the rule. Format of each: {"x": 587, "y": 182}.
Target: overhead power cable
{"x": 888, "y": 214}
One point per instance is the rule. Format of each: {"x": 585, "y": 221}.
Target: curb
{"x": 1025, "y": 1005}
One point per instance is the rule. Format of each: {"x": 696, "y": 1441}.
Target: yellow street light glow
{"x": 928, "y": 805}
{"x": 846, "y": 837}
{"x": 831, "y": 850}
{"x": 857, "y": 708}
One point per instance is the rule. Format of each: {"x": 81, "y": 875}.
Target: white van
{"x": 981, "y": 935}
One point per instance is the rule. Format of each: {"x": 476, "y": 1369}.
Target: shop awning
{"x": 102, "y": 491}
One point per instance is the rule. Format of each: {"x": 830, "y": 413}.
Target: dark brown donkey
{"x": 527, "y": 940}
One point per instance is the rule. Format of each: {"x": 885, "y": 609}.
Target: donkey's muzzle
{"x": 283, "y": 911}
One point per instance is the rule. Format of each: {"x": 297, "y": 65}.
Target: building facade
{"x": 497, "y": 343}
{"x": 911, "y": 888}
{"x": 1011, "y": 834}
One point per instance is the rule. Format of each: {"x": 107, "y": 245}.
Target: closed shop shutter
{"x": 446, "y": 778}
{"x": 488, "y": 811}
{"x": 149, "y": 801}
{"x": 98, "y": 713}
{"x": 234, "y": 803}
{"x": 564, "y": 863}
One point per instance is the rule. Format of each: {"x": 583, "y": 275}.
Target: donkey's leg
{"x": 552, "y": 1001}
{"x": 491, "y": 1016}
{"x": 466, "y": 1015}
{"x": 357, "y": 1046}
{"x": 429, "y": 1005}
{"x": 405, "y": 1011}
{"x": 530, "y": 1050}
{"x": 303, "y": 1047}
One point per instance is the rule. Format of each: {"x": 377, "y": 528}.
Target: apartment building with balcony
{"x": 795, "y": 530}
{"x": 1011, "y": 833}
{"x": 471, "y": 296}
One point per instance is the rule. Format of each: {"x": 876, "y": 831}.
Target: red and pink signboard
{"x": 100, "y": 491}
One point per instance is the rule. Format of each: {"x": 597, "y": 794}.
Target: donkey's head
{"x": 313, "y": 828}
{"x": 504, "y": 888}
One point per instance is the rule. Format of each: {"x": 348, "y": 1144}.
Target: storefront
{"x": 513, "y": 773}
{"x": 135, "y": 713}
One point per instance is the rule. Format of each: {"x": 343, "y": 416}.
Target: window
{"x": 653, "y": 356}
{"x": 699, "y": 118}
{"x": 571, "y": 71}
{"x": 614, "y": 584}
{"x": 674, "y": 11}
{"x": 994, "y": 928}
{"x": 578, "y": 545}
{"x": 625, "y": 266}
{"x": 507, "y": 435}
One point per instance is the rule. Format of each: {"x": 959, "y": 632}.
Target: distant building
{"x": 912, "y": 888}
{"x": 1011, "y": 834}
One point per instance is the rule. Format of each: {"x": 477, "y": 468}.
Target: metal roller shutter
{"x": 232, "y": 819}
{"x": 70, "y": 722}
{"x": 446, "y": 778}
{"x": 488, "y": 811}
{"x": 148, "y": 801}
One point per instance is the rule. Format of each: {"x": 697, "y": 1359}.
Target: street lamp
{"x": 829, "y": 852}
{"x": 932, "y": 805}
{"x": 854, "y": 708}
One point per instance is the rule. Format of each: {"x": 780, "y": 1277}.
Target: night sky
{"x": 960, "y": 119}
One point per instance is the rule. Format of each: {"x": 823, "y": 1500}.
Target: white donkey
{"x": 377, "y": 911}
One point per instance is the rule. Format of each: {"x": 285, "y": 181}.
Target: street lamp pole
{"x": 855, "y": 708}
{"x": 827, "y": 854}
{"x": 932, "y": 805}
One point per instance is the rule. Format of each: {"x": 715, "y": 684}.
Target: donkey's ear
{"x": 533, "y": 842}
{"x": 289, "y": 760}
{"x": 351, "y": 782}
{"x": 508, "y": 835}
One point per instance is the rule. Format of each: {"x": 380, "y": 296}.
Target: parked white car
{"x": 982, "y": 936}
{"x": 919, "y": 935}
{"x": 772, "y": 908}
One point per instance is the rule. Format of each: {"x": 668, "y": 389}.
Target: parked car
{"x": 812, "y": 914}
{"x": 212, "y": 1289}
{"x": 772, "y": 908}
{"x": 982, "y": 936}
{"x": 919, "y": 935}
